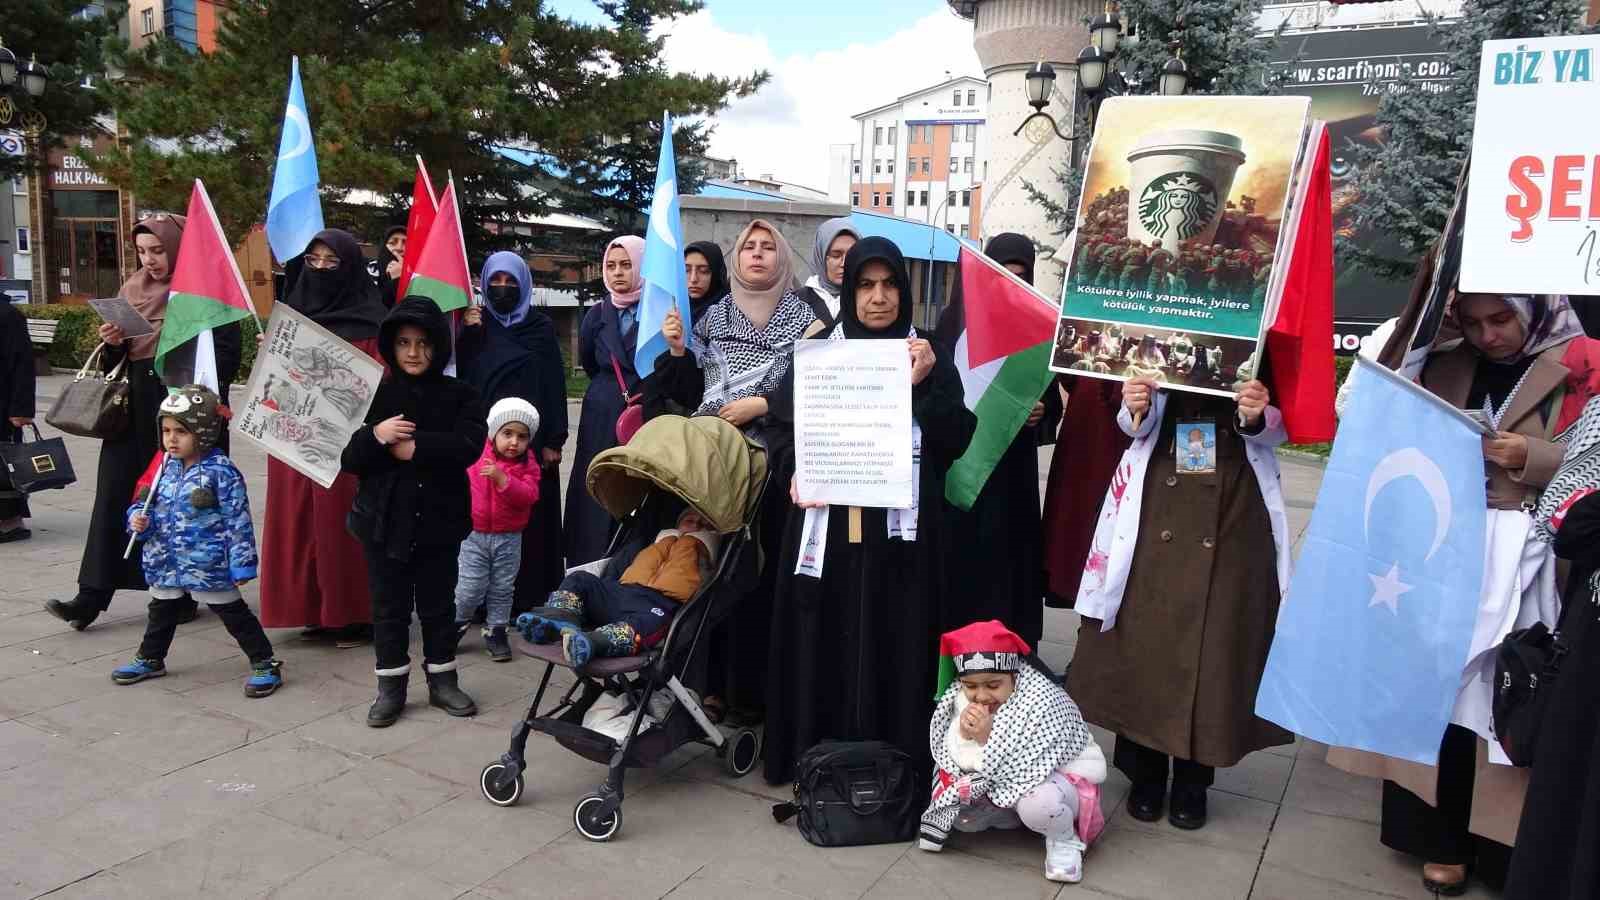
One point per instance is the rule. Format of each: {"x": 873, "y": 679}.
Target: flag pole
{"x": 148, "y": 499}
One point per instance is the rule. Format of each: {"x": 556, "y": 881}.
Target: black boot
{"x": 391, "y": 700}
{"x": 1188, "y": 807}
{"x": 445, "y": 693}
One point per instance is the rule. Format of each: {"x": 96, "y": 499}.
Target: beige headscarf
{"x": 758, "y": 299}
{"x": 147, "y": 295}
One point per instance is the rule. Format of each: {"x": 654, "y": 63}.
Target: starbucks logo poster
{"x": 1178, "y": 205}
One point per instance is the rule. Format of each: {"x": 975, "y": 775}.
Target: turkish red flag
{"x": 424, "y": 206}
{"x": 1300, "y": 342}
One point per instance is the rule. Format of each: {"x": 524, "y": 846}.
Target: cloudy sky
{"x": 828, "y": 59}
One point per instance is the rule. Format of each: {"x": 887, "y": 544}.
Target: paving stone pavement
{"x": 181, "y": 787}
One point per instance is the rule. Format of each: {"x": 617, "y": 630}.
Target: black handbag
{"x": 37, "y": 465}
{"x": 1525, "y": 670}
{"x": 853, "y": 793}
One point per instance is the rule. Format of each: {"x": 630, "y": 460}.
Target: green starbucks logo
{"x": 1178, "y": 205}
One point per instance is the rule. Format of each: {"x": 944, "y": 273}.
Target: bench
{"x": 42, "y": 333}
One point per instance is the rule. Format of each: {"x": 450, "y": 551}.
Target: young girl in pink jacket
{"x": 505, "y": 486}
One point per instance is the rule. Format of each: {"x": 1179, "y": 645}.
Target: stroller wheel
{"x": 741, "y": 753}
{"x": 586, "y": 815}
{"x": 500, "y": 796}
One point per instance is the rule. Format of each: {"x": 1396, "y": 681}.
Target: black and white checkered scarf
{"x": 1037, "y": 730}
{"x": 739, "y": 360}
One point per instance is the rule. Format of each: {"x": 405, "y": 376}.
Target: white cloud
{"x": 785, "y": 129}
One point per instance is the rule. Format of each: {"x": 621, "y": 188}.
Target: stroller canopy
{"x": 704, "y": 461}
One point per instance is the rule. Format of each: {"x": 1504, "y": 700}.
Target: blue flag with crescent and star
{"x": 1375, "y": 629}
{"x": 294, "y": 214}
{"x": 665, "y": 283}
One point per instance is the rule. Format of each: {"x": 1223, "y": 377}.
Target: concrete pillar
{"x": 1010, "y": 36}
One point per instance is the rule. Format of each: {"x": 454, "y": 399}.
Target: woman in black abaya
{"x": 995, "y": 558}
{"x": 508, "y": 348}
{"x": 854, "y": 648}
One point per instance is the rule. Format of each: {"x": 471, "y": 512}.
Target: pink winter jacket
{"x": 496, "y": 511}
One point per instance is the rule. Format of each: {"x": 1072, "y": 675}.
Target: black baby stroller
{"x": 709, "y": 465}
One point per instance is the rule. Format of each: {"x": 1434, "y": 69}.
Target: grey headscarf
{"x": 826, "y": 232}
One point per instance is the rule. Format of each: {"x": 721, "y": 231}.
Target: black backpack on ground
{"x": 853, "y": 793}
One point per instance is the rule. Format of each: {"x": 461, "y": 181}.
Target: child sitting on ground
{"x": 198, "y": 540}
{"x": 1011, "y": 750}
{"x": 628, "y": 614}
{"x": 505, "y": 487}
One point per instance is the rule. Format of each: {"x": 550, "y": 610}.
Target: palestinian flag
{"x": 424, "y": 207}
{"x": 207, "y": 289}
{"x": 441, "y": 272}
{"x": 1003, "y": 355}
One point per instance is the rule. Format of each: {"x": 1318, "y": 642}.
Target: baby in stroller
{"x": 592, "y": 615}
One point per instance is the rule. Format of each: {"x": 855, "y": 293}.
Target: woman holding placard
{"x": 1522, "y": 364}
{"x": 1180, "y": 592}
{"x": 855, "y": 639}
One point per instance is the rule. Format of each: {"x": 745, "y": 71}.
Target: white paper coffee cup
{"x": 1179, "y": 185}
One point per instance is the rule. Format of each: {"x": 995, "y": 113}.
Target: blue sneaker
{"x": 547, "y": 625}
{"x": 576, "y": 648}
{"x": 139, "y": 670}
{"x": 265, "y": 677}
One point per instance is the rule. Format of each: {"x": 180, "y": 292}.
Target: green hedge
{"x": 76, "y": 335}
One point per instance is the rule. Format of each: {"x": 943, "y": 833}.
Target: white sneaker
{"x": 930, "y": 846}
{"x": 1063, "y": 859}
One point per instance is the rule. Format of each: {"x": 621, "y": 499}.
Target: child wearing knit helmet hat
{"x": 505, "y": 486}
{"x": 198, "y": 540}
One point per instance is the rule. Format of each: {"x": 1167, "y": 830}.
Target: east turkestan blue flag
{"x": 1378, "y": 621}
{"x": 294, "y": 214}
{"x": 665, "y": 283}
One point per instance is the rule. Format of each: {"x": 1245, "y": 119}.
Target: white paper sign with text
{"x": 853, "y": 422}
{"x": 1533, "y": 192}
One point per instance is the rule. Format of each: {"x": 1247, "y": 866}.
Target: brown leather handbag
{"x": 94, "y": 403}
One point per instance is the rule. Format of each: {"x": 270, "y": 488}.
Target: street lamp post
{"x": 928, "y": 318}
{"x": 1098, "y": 78}
{"x": 26, "y": 81}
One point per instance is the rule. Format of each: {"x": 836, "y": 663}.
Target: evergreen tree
{"x": 1217, "y": 39}
{"x": 69, "y": 38}
{"x": 1408, "y": 183}
{"x": 579, "y": 105}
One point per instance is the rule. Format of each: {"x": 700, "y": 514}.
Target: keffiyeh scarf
{"x": 739, "y": 360}
{"x": 1579, "y": 472}
{"x": 1037, "y": 730}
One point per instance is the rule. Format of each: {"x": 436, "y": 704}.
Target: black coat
{"x": 16, "y": 368}
{"x": 1003, "y": 527}
{"x": 854, "y": 653}
{"x": 424, "y": 501}
{"x": 1557, "y": 856}
{"x": 600, "y": 340}
{"x": 524, "y": 360}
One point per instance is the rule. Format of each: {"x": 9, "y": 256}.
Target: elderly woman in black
{"x": 856, "y": 642}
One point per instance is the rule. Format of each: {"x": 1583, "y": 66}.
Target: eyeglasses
{"x": 322, "y": 262}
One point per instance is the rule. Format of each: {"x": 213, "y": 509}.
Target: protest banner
{"x": 1178, "y": 239}
{"x": 1533, "y": 198}
{"x": 309, "y": 392}
{"x": 853, "y": 423}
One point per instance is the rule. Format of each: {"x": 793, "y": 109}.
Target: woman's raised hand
{"x": 921, "y": 359}
{"x": 1253, "y": 400}
{"x": 1136, "y": 394}
{"x": 672, "y": 332}
{"x": 111, "y": 334}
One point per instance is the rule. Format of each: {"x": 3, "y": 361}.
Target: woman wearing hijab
{"x": 1523, "y": 363}
{"x": 508, "y": 348}
{"x": 125, "y": 457}
{"x": 855, "y": 638}
{"x": 386, "y": 268}
{"x": 1179, "y": 594}
{"x": 835, "y": 237}
{"x": 995, "y": 560}
{"x": 606, "y": 341}
{"x": 308, "y": 575}
{"x": 733, "y": 368}
{"x": 707, "y": 274}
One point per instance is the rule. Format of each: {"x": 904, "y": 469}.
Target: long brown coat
{"x": 1180, "y": 671}
{"x": 1497, "y": 790}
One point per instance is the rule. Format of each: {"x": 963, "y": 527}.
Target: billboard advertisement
{"x": 1346, "y": 73}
